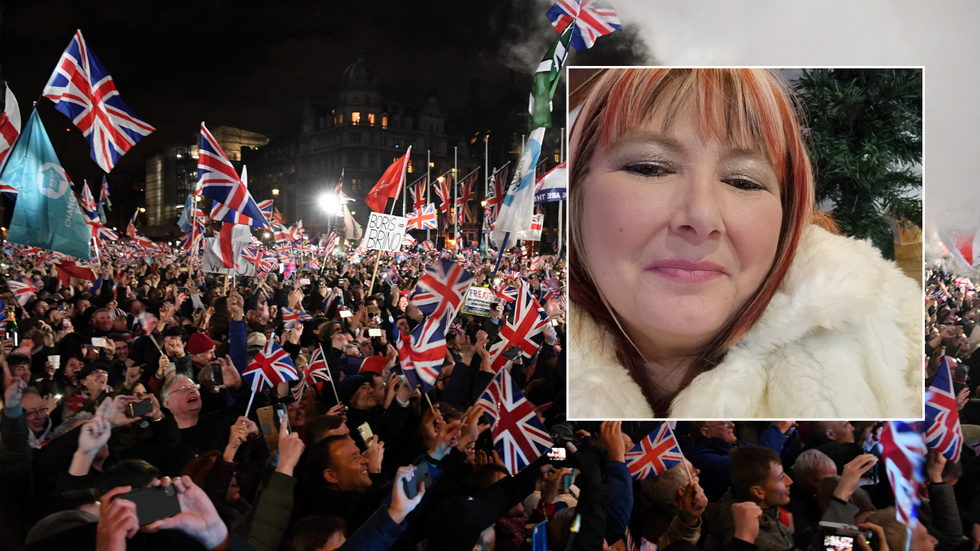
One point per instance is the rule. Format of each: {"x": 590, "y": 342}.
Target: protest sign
{"x": 384, "y": 232}
{"x": 478, "y": 301}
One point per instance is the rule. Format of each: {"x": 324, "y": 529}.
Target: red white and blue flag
{"x": 258, "y": 258}
{"x": 417, "y": 192}
{"x": 507, "y": 293}
{"x": 442, "y": 191}
{"x": 904, "y": 455}
{"x": 592, "y": 19}
{"x": 498, "y": 191}
{"x": 292, "y": 318}
{"x": 217, "y": 179}
{"x": 523, "y": 328}
{"x": 441, "y": 290}
{"x": 23, "y": 290}
{"x": 467, "y": 193}
{"x": 104, "y": 194}
{"x": 422, "y": 353}
{"x": 942, "y": 424}
{"x": 82, "y": 89}
{"x": 518, "y": 435}
{"x": 266, "y": 208}
{"x": 314, "y": 376}
{"x": 428, "y": 246}
{"x": 9, "y": 123}
{"x": 424, "y": 219}
{"x": 270, "y": 367}
{"x": 654, "y": 455}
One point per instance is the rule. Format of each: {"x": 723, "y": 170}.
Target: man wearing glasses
{"x": 710, "y": 443}
{"x": 38, "y": 421}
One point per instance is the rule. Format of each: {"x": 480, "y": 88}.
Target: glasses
{"x": 185, "y": 388}
{"x": 726, "y": 424}
{"x": 38, "y": 411}
{"x": 99, "y": 373}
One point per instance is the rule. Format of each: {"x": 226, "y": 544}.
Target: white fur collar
{"x": 840, "y": 339}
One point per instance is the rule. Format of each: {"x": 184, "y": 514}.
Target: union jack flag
{"x": 83, "y": 90}
{"x": 418, "y": 194}
{"x": 424, "y": 219}
{"x": 270, "y": 367}
{"x": 222, "y": 213}
{"x": 511, "y": 273}
{"x": 654, "y": 455}
{"x": 507, "y": 293}
{"x": 9, "y": 191}
{"x": 9, "y": 123}
{"x": 523, "y": 328}
{"x": 342, "y": 197}
{"x": 942, "y": 422}
{"x": 592, "y": 19}
{"x": 466, "y": 190}
{"x": 428, "y": 246}
{"x": 23, "y": 290}
{"x": 904, "y": 454}
{"x": 104, "y": 194}
{"x": 422, "y": 353}
{"x": 407, "y": 241}
{"x": 442, "y": 191}
{"x": 314, "y": 376}
{"x": 441, "y": 290}
{"x": 293, "y": 317}
{"x": 266, "y": 208}
{"x": 498, "y": 191}
{"x": 336, "y": 295}
{"x": 217, "y": 179}
{"x": 518, "y": 435}
{"x": 258, "y": 258}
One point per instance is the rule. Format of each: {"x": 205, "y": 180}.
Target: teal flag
{"x": 46, "y": 214}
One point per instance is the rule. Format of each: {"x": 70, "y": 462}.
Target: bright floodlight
{"x": 329, "y": 203}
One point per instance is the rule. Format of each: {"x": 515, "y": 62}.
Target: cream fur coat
{"x": 842, "y": 338}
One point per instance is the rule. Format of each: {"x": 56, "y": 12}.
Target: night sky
{"x": 250, "y": 64}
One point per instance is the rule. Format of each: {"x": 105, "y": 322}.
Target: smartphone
{"x": 567, "y": 480}
{"x": 374, "y": 332}
{"x": 217, "y": 377}
{"x": 99, "y": 342}
{"x": 153, "y": 504}
{"x": 422, "y": 475}
{"x": 304, "y": 281}
{"x": 281, "y": 419}
{"x": 557, "y": 456}
{"x": 266, "y": 417}
{"x": 346, "y": 313}
{"x": 512, "y": 353}
{"x": 140, "y": 408}
{"x": 366, "y": 433}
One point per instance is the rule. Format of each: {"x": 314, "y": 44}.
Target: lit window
{"x": 432, "y": 165}
{"x": 384, "y": 122}
{"x": 557, "y": 157}
{"x": 411, "y": 169}
{"x": 371, "y": 119}
{"x": 355, "y": 118}
{"x": 340, "y": 118}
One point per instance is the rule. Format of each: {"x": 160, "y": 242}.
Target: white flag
{"x": 517, "y": 209}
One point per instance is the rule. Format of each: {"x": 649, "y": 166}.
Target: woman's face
{"x": 679, "y": 232}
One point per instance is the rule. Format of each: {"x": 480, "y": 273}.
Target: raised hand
{"x": 197, "y": 518}
{"x": 401, "y": 506}
{"x": 375, "y": 454}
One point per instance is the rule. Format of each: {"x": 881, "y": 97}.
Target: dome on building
{"x": 359, "y": 75}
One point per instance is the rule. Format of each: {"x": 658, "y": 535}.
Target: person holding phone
{"x": 93, "y": 386}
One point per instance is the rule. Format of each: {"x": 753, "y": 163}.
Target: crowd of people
{"x": 127, "y": 399}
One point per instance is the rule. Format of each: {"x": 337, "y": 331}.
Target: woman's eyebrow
{"x": 644, "y": 137}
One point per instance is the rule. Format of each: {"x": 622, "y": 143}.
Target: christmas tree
{"x": 865, "y": 138}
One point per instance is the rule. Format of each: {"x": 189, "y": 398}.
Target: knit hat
{"x": 199, "y": 344}
{"x": 348, "y": 387}
{"x": 374, "y": 364}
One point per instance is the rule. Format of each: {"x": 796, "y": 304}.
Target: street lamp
{"x": 275, "y": 192}
{"x": 142, "y": 209}
{"x": 329, "y": 203}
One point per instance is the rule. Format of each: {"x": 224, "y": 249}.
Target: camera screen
{"x": 557, "y": 454}
{"x": 838, "y": 543}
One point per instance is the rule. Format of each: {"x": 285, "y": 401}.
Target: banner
{"x": 211, "y": 261}
{"x": 46, "y": 213}
{"x": 553, "y": 186}
{"x": 384, "y": 232}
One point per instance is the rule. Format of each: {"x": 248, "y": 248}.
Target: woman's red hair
{"x": 747, "y": 108}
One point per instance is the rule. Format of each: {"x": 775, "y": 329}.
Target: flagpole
{"x": 324, "y": 356}
{"x": 455, "y": 198}
{"x": 428, "y": 165}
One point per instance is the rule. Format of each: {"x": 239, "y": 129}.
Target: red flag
{"x": 390, "y": 184}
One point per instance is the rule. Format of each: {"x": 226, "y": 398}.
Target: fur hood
{"x": 841, "y": 338}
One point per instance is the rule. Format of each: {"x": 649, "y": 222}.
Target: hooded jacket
{"x": 841, "y": 338}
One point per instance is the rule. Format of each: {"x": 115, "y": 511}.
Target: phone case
{"x": 153, "y": 504}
